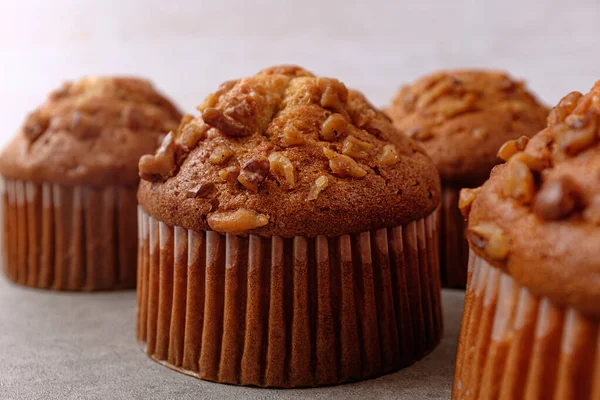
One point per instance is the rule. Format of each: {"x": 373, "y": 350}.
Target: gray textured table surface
{"x": 82, "y": 346}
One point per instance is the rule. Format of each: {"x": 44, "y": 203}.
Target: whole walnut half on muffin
{"x": 534, "y": 231}
{"x": 462, "y": 118}
{"x": 69, "y": 181}
{"x": 288, "y": 220}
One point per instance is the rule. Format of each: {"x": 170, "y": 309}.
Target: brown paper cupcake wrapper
{"x": 288, "y": 312}
{"x": 454, "y": 249}
{"x": 514, "y": 345}
{"x": 68, "y": 238}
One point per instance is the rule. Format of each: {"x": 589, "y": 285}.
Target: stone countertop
{"x": 82, "y": 346}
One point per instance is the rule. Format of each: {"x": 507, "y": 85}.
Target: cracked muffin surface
{"x": 90, "y": 132}
{"x": 289, "y": 154}
{"x": 462, "y": 117}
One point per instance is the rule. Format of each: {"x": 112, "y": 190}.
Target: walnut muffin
{"x": 69, "y": 181}
{"x": 288, "y": 238}
{"x": 462, "y": 118}
{"x": 531, "y": 325}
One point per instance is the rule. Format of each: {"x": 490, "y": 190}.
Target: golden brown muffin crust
{"x": 538, "y": 216}
{"x": 286, "y": 153}
{"x": 462, "y": 117}
{"x": 91, "y": 132}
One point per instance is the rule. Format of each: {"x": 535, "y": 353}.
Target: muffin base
{"x": 514, "y": 345}
{"x": 454, "y": 248}
{"x": 68, "y": 238}
{"x": 293, "y": 312}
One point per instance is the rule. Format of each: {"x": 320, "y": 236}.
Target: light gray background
{"x": 72, "y": 346}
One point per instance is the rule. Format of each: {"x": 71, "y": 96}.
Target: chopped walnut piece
{"x": 216, "y": 119}
{"x": 192, "y": 133}
{"x": 565, "y": 106}
{"x": 317, "y": 187}
{"x": 212, "y": 99}
{"x": 236, "y": 221}
{"x": 334, "y": 126}
{"x": 184, "y": 121}
{"x": 556, "y": 199}
{"x": 389, "y": 155}
{"x": 35, "y": 125}
{"x": 292, "y": 136}
{"x": 592, "y": 211}
{"x": 441, "y": 88}
{"x": 334, "y": 93}
{"x": 253, "y": 172}
{"x": 512, "y": 147}
{"x": 518, "y": 182}
{"x": 490, "y": 238}
{"x": 420, "y": 133}
{"x": 577, "y": 133}
{"x": 282, "y": 166}
{"x": 479, "y": 133}
{"x": 466, "y": 198}
{"x": 162, "y": 164}
{"x": 356, "y": 148}
{"x": 457, "y": 106}
{"x": 220, "y": 154}
{"x": 343, "y": 166}
{"x": 229, "y": 174}
{"x": 534, "y": 163}
{"x": 205, "y": 190}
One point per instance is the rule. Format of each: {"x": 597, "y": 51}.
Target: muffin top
{"x": 288, "y": 154}
{"x": 91, "y": 132}
{"x": 538, "y": 216}
{"x": 461, "y": 118}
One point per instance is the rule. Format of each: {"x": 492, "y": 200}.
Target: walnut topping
{"x": 389, "y": 155}
{"x": 577, "y": 133}
{"x": 534, "y": 163}
{"x": 84, "y": 126}
{"x": 282, "y": 166}
{"x": 334, "y": 126}
{"x": 490, "y": 238}
{"x": 236, "y": 221}
{"x": 184, "y": 121}
{"x": 479, "y": 133}
{"x": 192, "y": 133}
{"x": 518, "y": 183}
{"x": 466, "y": 198}
{"x": 220, "y": 154}
{"x": 317, "y": 187}
{"x": 35, "y": 125}
{"x": 457, "y": 106}
{"x": 592, "y": 211}
{"x": 556, "y": 199}
{"x": 512, "y": 147}
{"x": 292, "y": 136}
{"x": 162, "y": 164}
{"x": 229, "y": 174}
{"x": 565, "y": 106}
{"x": 441, "y": 88}
{"x": 334, "y": 93}
{"x": 253, "y": 172}
{"x": 356, "y": 148}
{"x": 343, "y": 165}
{"x": 205, "y": 190}
{"x": 216, "y": 119}
{"x": 420, "y": 134}
{"x": 212, "y": 99}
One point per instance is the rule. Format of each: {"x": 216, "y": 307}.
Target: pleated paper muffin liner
{"x": 514, "y": 345}
{"x": 454, "y": 249}
{"x": 69, "y": 238}
{"x": 288, "y": 312}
